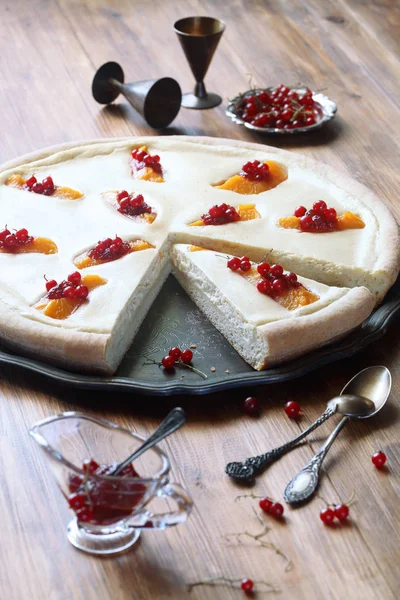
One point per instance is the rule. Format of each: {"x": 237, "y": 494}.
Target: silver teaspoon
{"x": 374, "y": 384}
{"x": 174, "y": 419}
{"x": 245, "y": 471}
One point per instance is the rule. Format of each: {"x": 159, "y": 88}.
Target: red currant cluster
{"x": 110, "y": 249}
{"x": 281, "y": 108}
{"x": 255, "y": 171}
{"x": 273, "y": 508}
{"x": 292, "y": 409}
{"x": 46, "y": 187}
{"x": 144, "y": 159}
{"x": 10, "y": 241}
{"x": 102, "y": 502}
{"x": 177, "y": 356}
{"x": 340, "y": 512}
{"x": 235, "y": 263}
{"x": 274, "y": 281}
{"x": 70, "y": 288}
{"x": 220, "y": 215}
{"x": 132, "y": 205}
{"x": 319, "y": 218}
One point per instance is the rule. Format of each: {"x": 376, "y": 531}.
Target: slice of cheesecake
{"x": 267, "y": 327}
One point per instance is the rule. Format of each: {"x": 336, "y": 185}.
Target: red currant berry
{"x": 247, "y": 585}
{"x": 77, "y": 501}
{"x": 175, "y": 353}
{"x": 85, "y": 515}
{"x": 291, "y": 278}
{"x": 319, "y": 207}
{"x": 278, "y": 285}
{"x": 306, "y": 223}
{"x": 38, "y": 188}
{"x": 341, "y": 512}
{"x": 287, "y": 114}
{"x": 125, "y": 203}
{"x": 264, "y": 269}
{"x": 251, "y": 406}
{"x": 122, "y": 195}
{"x": 251, "y": 109}
{"x": 276, "y": 271}
{"x": 292, "y": 95}
{"x": 292, "y": 409}
{"x": 48, "y": 185}
{"x": 10, "y": 241}
{"x": 50, "y": 284}
{"x": 234, "y": 263}
{"x": 279, "y": 124}
{"x": 168, "y": 362}
{"x": 265, "y": 504}
{"x": 327, "y": 515}
{"x": 276, "y": 510}
{"x": 265, "y": 287}
{"x": 264, "y": 97}
{"x": 82, "y": 292}
{"x": 310, "y": 120}
{"x": 261, "y": 120}
{"x": 31, "y": 181}
{"x": 300, "y": 211}
{"x": 69, "y": 292}
{"x": 245, "y": 265}
{"x": 296, "y": 123}
{"x": 21, "y": 235}
{"x": 330, "y": 215}
{"x": 187, "y": 356}
{"x": 90, "y": 466}
{"x": 75, "y": 278}
{"x": 379, "y": 459}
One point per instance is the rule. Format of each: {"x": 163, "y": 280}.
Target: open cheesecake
{"x": 91, "y": 232}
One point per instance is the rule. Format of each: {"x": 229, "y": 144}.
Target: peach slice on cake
{"x": 108, "y": 250}
{"x": 63, "y": 299}
{"x": 46, "y": 187}
{"x": 223, "y": 214}
{"x": 255, "y": 177}
{"x": 21, "y": 242}
{"x": 321, "y": 219}
{"x": 146, "y": 166}
{"x": 131, "y": 205}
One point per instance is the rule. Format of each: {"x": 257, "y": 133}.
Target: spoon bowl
{"x": 373, "y": 383}
{"x": 350, "y": 405}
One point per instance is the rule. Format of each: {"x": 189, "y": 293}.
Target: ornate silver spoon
{"x": 245, "y": 471}
{"x": 373, "y": 383}
{"x": 174, "y": 419}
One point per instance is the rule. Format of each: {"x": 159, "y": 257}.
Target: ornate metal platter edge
{"x": 175, "y": 320}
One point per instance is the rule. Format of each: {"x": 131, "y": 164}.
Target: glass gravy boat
{"x": 114, "y": 507}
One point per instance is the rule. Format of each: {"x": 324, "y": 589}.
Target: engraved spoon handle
{"x": 249, "y": 467}
{"x": 303, "y": 485}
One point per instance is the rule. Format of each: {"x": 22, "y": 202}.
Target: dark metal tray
{"x": 174, "y": 320}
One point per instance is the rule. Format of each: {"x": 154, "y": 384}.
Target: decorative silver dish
{"x": 327, "y": 110}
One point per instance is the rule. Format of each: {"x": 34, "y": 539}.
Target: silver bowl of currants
{"x": 281, "y": 110}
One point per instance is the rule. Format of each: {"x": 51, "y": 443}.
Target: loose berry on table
{"x": 341, "y": 511}
{"x": 265, "y": 504}
{"x": 276, "y": 510}
{"x": 379, "y": 459}
{"x": 251, "y": 406}
{"x": 247, "y": 585}
{"x": 327, "y": 516}
{"x": 292, "y": 409}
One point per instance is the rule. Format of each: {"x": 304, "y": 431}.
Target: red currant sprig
{"x": 236, "y": 263}
{"x": 178, "y": 358}
{"x": 273, "y": 508}
{"x": 340, "y": 512}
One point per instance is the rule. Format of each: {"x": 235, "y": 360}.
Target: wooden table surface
{"x": 48, "y": 54}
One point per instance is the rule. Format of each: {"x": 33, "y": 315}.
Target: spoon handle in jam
{"x": 304, "y": 484}
{"x": 174, "y": 419}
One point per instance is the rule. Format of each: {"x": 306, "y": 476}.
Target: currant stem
{"x": 231, "y": 582}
